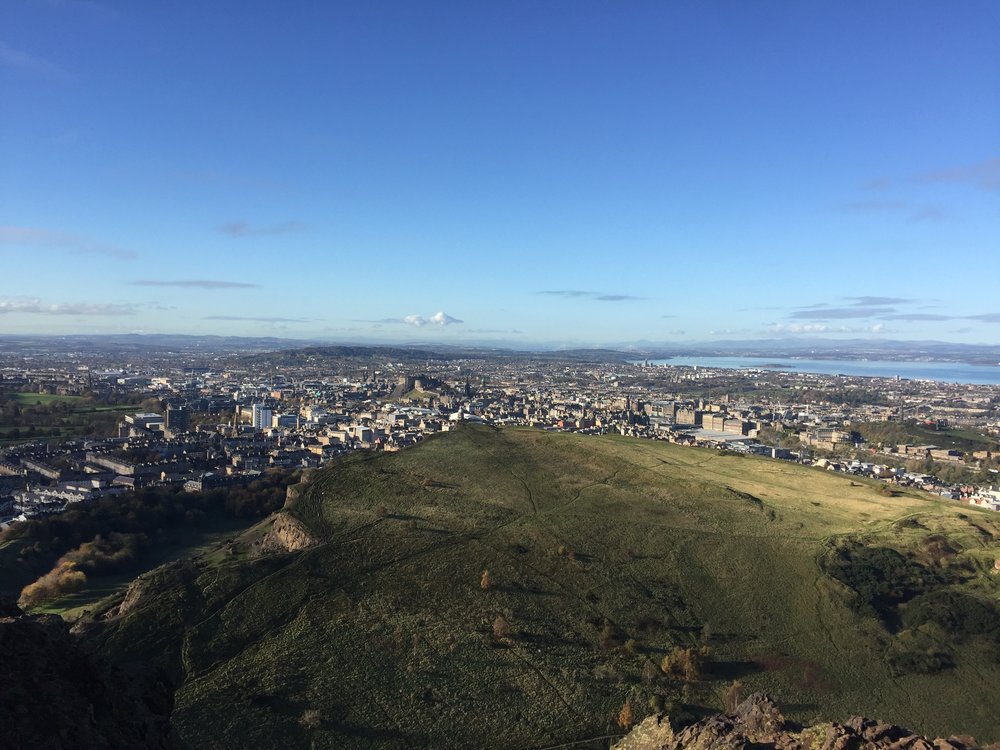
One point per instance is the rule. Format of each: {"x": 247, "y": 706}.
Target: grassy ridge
{"x": 383, "y": 636}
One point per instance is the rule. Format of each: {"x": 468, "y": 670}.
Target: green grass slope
{"x": 604, "y": 554}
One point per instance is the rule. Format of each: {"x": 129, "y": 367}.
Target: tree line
{"x": 112, "y": 534}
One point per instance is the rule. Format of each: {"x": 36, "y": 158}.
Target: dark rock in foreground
{"x": 54, "y": 695}
{"x": 757, "y": 723}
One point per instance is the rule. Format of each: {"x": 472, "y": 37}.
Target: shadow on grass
{"x": 732, "y": 670}
{"x": 518, "y": 588}
{"x": 295, "y": 709}
{"x": 278, "y": 704}
{"x": 727, "y": 637}
{"x": 547, "y": 639}
{"x": 363, "y": 732}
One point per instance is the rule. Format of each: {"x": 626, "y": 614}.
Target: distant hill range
{"x": 295, "y": 350}
{"x": 417, "y": 354}
{"x": 520, "y": 588}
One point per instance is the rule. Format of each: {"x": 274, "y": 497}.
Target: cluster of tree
{"x": 685, "y": 663}
{"x": 848, "y": 397}
{"x": 52, "y": 418}
{"x": 106, "y": 554}
{"x": 110, "y": 534}
{"x": 781, "y": 436}
{"x": 61, "y": 580}
{"x": 913, "y": 432}
{"x": 139, "y": 455}
{"x": 31, "y": 432}
{"x": 949, "y": 472}
{"x": 53, "y": 413}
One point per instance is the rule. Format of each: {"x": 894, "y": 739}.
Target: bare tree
{"x": 625, "y": 715}
{"x": 733, "y": 695}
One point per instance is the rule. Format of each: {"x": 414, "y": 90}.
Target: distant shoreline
{"x": 938, "y": 371}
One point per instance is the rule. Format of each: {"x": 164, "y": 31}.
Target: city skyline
{"x": 578, "y": 173}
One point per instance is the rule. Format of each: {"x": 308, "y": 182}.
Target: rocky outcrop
{"x": 178, "y": 571}
{"x": 132, "y": 595}
{"x": 757, "y": 722}
{"x": 294, "y": 491}
{"x": 54, "y": 695}
{"x": 287, "y": 534}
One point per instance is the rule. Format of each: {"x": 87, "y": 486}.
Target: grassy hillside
{"x": 604, "y": 555}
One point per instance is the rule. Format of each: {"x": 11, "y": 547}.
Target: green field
{"x": 604, "y": 554}
{"x": 47, "y": 417}
{"x": 31, "y": 399}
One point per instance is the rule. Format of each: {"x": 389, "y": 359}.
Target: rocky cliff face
{"x": 54, "y": 695}
{"x": 287, "y": 535}
{"x": 757, "y": 723}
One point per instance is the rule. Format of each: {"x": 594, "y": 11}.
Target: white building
{"x": 261, "y": 417}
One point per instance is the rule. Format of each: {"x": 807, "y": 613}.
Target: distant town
{"x": 77, "y": 426}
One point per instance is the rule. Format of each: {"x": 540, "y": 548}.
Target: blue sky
{"x": 558, "y": 172}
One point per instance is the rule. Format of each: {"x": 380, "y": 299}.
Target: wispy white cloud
{"x": 257, "y": 320}
{"x": 876, "y": 308}
{"x": 804, "y": 328}
{"x": 916, "y": 317}
{"x": 25, "y": 61}
{"x": 245, "y": 229}
{"x": 927, "y": 213}
{"x": 197, "y": 284}
{"x": 568, "y": 293}
{"x": 873, "y": 206}
{"x": 914, "y": 212}
{"x": 828, "y": 313}
{"x": 984, "y": 175}
{"x": 24, "y": 237}
{"x": 92, "y": 7}
{"x": 581, "y": 294}
{"x": 34, "y": 306}
{"x": 878, "y": 301}
{"x": 227, "y": 179}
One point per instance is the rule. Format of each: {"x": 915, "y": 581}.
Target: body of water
{"x": 946, "y": 372}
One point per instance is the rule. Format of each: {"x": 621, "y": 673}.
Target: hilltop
{"x": 516, "y": 588}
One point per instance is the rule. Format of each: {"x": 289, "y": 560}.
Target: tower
{"x": 261, "y": 417}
